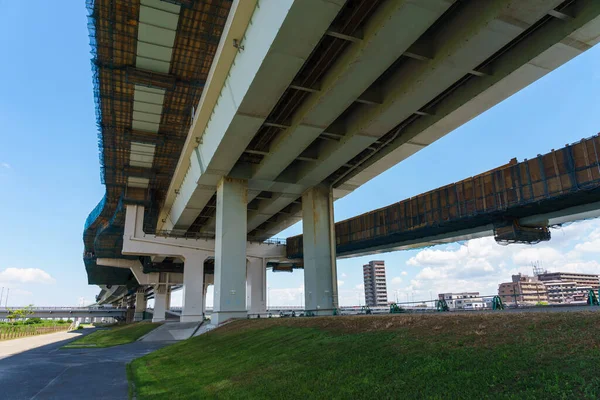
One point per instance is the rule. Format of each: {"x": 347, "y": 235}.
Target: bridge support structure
{"x": 140, "y": 304}
{"x": 136, "y": 242}
{"x": 320, "y": 268}
{"x": 230, "y": 250}
{"x": 161, "y": 302}
{"x": 256, "y": 285}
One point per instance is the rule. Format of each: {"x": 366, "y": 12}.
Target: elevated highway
{"x": 229, "y": 121}
{"x": 516, "y": 203}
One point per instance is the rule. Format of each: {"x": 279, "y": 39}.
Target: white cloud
{"x": 344, "y": 275}
{"x": 404, "y": 273}
{"x": 340, "y": 283}
{"x": 592, "y": 245}
{"x": 20, "y": 292}
{"x": 481, "y": 264}
{"x": 25, "y": 275}
{"x": 360, "y": 286}
{"x": 286, "y": 296}
{"x": 5, "y": 165}
{"x": 396, "y": 280}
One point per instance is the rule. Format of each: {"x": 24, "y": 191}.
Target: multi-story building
{"x": 566, "y": 291}
{"x": 375, "y": 284}
{"x": 523, "y": 289}
{"x": 592, "y": 280}
{"x": 567, "y": 287}
{"x": 463, "y": 301}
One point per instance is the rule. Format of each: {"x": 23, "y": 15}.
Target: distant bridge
{"x": 68, "y": 312}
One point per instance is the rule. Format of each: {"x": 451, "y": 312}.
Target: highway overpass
{"x": 516, "y": 203}
{"x": 223, "y": 122}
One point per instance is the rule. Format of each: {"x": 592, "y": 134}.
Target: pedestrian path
{"x": 36, "y": 368}
{"x": 15, "y": 346}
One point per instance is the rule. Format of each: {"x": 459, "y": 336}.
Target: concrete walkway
{"x": 15, "y": 346}
{"x": 36, "y": 368}
{"x": 171, "y": 331}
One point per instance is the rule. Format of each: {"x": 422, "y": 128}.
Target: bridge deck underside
{"x": 556, "y": 181}
{"x": 350, "y": 111}
{"x": 150, "y": 61}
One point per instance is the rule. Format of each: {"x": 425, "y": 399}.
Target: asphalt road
{"x": 48, "y": 372}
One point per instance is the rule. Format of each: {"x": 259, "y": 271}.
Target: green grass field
{"x": 477, "y": 356}
{"x": 114, "y": 336}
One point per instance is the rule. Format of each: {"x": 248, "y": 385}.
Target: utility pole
{"x": 6, "y": 301}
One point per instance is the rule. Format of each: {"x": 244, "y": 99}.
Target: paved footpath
{"x": 37, "y": 368}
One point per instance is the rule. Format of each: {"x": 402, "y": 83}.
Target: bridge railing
{"x": 179, "y": 233}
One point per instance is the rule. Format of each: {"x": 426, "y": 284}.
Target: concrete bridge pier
{"x": 256, "y": 284}
{"x": 320, "y": 268}
{"x": 140, "y": 304}
{"x": 230, "y": 250}
{"x": 161, "y": 298}
{"x": 193, "y": 287}
{"x": 209, "y": 279}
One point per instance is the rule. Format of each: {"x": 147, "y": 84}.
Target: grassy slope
{"x": 512, "y": 356}
{"x": 114, "y": 336}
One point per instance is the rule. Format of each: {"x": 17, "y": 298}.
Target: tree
{"x": 20, "y": 313}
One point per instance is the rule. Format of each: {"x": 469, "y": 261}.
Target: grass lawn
{"x": 114, "y": 336}
{"x": 476, "y": 356}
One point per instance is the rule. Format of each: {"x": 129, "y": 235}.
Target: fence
{"x": 18, "y": 331}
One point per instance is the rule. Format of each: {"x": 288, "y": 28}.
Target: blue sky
{"x": 50, "y": 175}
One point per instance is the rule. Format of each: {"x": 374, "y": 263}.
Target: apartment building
{"x": 375, "y": 283}
{"x": 523, "y": 289}
{"x": 463, "y": 301}
{"x": 553, "y": 287}
{"x": 569, "y": 287}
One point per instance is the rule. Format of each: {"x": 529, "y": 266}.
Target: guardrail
{"x": 181, "y": 234}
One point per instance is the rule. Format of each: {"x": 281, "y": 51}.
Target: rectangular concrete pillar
{"x": 160, "y": 303}
{"x": 256, "y": 285}
{"x": 140, "y": 304}
{"x": 193, "y": 289}
{"x": 209, "y": 279}
{"x": 230, "y": 250}
{"x": 320, "y": 270}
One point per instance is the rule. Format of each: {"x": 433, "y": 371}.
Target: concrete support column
{"x": 209, "y": 279}
{"x": 140, "y": 304}
{"x": 256, "y": 285}
{"x": 230, "y": 250}
{"x": 204, "y": 291}
{"x": 193, "y": 289}
{"x": 160, "y": 303}
{"x": 320, "y": 270}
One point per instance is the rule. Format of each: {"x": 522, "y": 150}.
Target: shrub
{"x": 80, "y": 327}
{"x": 32, "y": 321}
